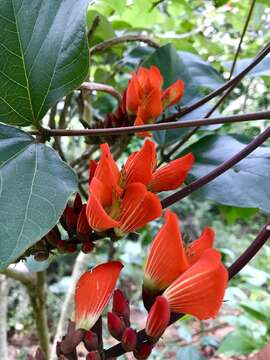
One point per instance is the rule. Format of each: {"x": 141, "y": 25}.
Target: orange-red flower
{"x": 93, "y": 292}
{"x": 145, "y": 98}
{"x": 192, "y": 279}
{"x": 125, "y": 200}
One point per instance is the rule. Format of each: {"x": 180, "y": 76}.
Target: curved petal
{"x": 197, "y": 247}
{"x": 155, "y": 76}
{"x": 93, "y": 292}
{"x": 171, "y": 175}
{"x": 151, "y": 105}
{"x": 158, "y": 318}
{"x": 133, "y": 94}
{"x": 107, "y": 171}
{"x": 166, "y": 259}
{"x": 97, "y": 217}
{"x": 200, "y": 290}
{"x": 139, "y": 207}
{"x": 102, "y": 192}
{"x": 173, "y": 94}
{"x": 139, "y": 166}
{"x": 92, "y": 169}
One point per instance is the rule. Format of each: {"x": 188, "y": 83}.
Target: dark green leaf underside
{"x": 35, "y": 185}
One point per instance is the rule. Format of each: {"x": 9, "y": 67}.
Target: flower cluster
{"x": 145, "y": 99}
{"x": 125, "y": 200}
{"x": 178, "y": 278}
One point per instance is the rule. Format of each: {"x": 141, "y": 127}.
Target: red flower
{"x": 145, "y": 98}
{"x": 93, "y": 292}
{"x": 125, "y": 200}
{"x": 194, "y": 278}
{"x": 158, "y": 318}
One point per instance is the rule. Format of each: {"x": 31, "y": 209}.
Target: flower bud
{"x": 71, "y": 248}
{"x": 61, "y": 246}
{"x": 53, "y": 236}
{"x": 70, "y": 219}
{"x": 121, "y": 306}
{"x": 115, "y": 325}
{"x": 129, "y": 339}
{"x": 87, "y": 247}
{"x": 158, "y": 318}
{"x": 143, "y": 351}
{"x": 41, "y": 256}
{"x": 93, "y": 355}
{"x": 83, "y": 227}
{"x": 77, "y": 205}
{"x": 90, "y": 341}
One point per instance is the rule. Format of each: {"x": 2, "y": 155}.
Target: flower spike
{"x": 93, "y": 292}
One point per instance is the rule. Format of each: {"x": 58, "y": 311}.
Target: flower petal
{"x": 197, "y": 247}
{"x": 93, "y": 292}
{"x": 97, "y": 217}
{"x": 151, "y": 105}
{"x": 200, "y": 290}
{"x": 139, "y": 207}
{"x": 166, "y": 259}
{"x": 158, "y": 318}
{"x": 139, "y": 166}
{"x": 173, "y": 94}
{"x": 107, "y": 171}
{"x": 133, "y": 94}
{"x": 171, "y": 175}
{"x": 92, "y": 169}
{"x": 155, "y": 76}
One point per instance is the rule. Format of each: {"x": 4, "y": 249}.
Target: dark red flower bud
{"x": 93, "y": 355}
{"x": 90, "y": 341}
{"x": 143, "y": 351}
{"x": 87, "y": 247}
{"x": 41, "y": 256}
{"x": 71, "y": 248}
{"x": 83, "y": 227}
{"x": 61, "y": 245}
{"x": 121, "y": 305}
{"x": 71, "y": 219}
{"x": 53, "y": 236}
{"x": 115, "y": 325}
{"x": 129, "y": 339}
{"x": 77, "y": 205}
{"x": 158, "y": 318}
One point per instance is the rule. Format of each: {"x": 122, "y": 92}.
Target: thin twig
{"x": 122, "y": 39}
{"x": 242, "y": 37}
{"x": 262, "y": 115}
{"x": 92, "y": 86}
{"x": 93, "y": 27}
{"x": 219, "y": 170}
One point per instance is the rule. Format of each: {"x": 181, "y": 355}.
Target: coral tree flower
{"x": 145, "y": 98}
{"x": 192, "y": 279}
{"x": 93, "y": 292}
{"x": 125, "y": 200}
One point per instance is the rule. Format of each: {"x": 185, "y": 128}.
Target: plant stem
{"x": 226, "y": 165}
{"x": 262, "y": 115}
{"x": 122, "y": 39}
{"x": 38, "y": 298}
{"x": 242, "y": 36}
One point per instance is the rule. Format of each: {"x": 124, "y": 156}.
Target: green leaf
{"x": 244, "y": 185}
{"x": 104, "y": 31}
{"x": 35, "y": 185}
{"x": 44, "y": 56}
{"x": 232, "y": 213}
{"x": 236, "y": 343}
{"x": 189, "y": 353}
{"x": 218, "y": 3}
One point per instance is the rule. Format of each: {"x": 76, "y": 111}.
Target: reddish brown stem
{"x": 155, "y": 127}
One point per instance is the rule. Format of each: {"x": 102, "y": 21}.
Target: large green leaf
{"x": 35, "y": 185}
{"x": 237, "y": 343}
{"x": 43, "y": 56}
{"x": 247, "y": 184}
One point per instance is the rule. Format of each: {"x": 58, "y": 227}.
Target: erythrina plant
{"x": 45, "y": 79}
{"x": 126, "y": 200}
